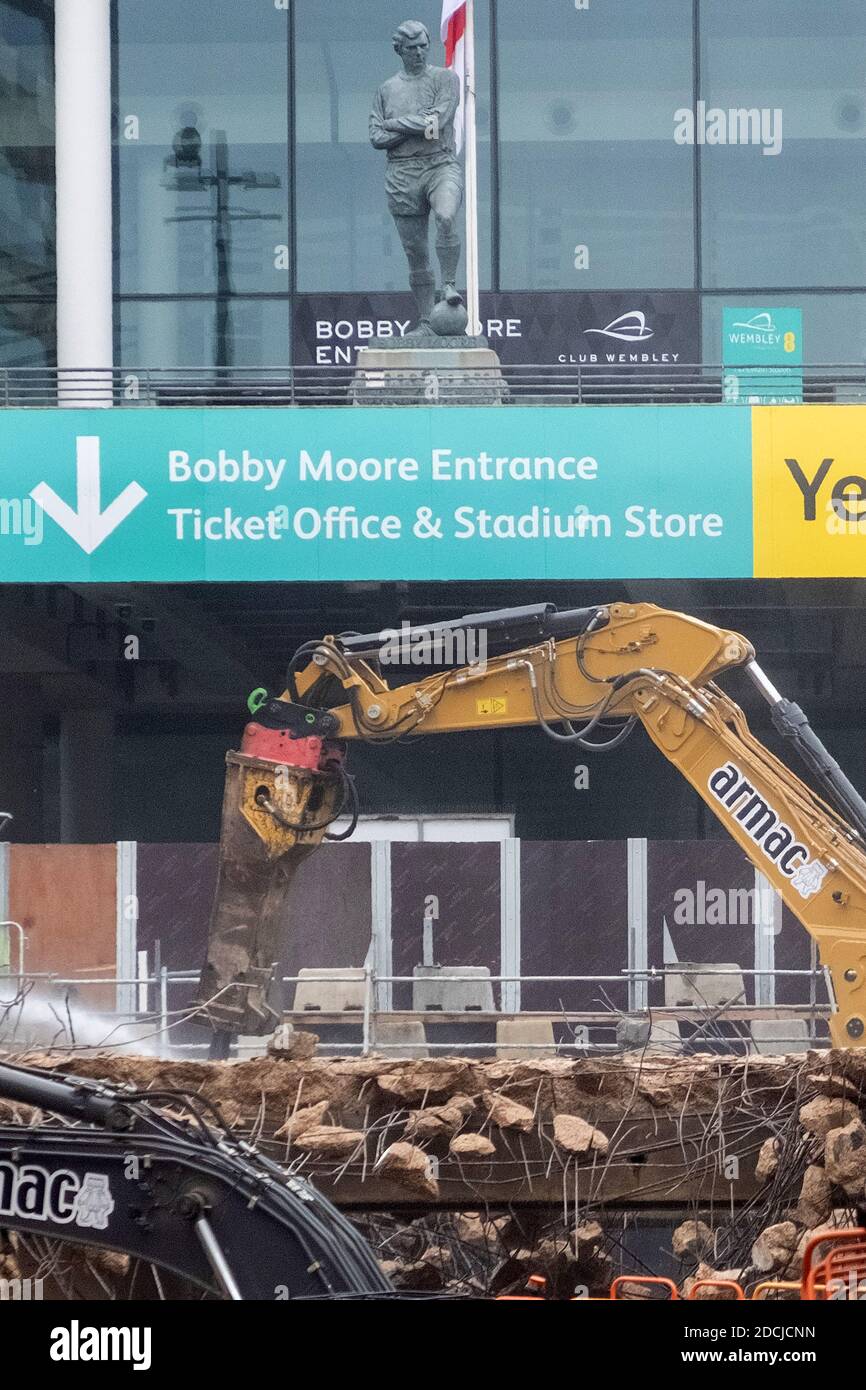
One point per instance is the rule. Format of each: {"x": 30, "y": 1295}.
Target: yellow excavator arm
{"x": 577, "y": 677}
{"x": 585, "y": 677}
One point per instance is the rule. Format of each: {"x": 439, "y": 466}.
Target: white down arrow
{"x": 87, "y": 524}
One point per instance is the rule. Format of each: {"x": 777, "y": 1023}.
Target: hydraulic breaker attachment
{"x": 274, "y": 814}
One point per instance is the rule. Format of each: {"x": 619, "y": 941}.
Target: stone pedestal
{"x": 423, "y": 369}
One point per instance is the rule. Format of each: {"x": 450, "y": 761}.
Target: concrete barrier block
{"x": 329, "y": 991}
{"x": 775, "y": 1036}
{"x": 534, "y": 1033}
{"x": 398, "y": 1039}
{"x": 704, "y": 984}
{"x": 431, "y": 991}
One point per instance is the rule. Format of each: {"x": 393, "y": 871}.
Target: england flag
{"x": 454, "y": 38}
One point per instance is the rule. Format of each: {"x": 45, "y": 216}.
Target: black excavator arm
{"x": 186, "y": 1197}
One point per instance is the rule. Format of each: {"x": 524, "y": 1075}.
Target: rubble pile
{"x": 510, "y": 1095}
{"x": 818, "y": 1171}
{"x": 540, "y": 1158}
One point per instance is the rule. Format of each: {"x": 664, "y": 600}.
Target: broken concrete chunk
{"x": 437, "y": 1121}
{"x": 472, "y": 1146}
{"x": 816, "y": 1197}
{"x": 508, "y": 1114}
{"x": 330, "y": 1140}
{"x": 293, "y": 1043}
{"x": 471, "y": 1228}
{"x": 465, "y": 1104}
{"x": 705, "y": 1271}
{"x": 409, "y": 1166}
{"x": 576, "y": 1136}
{"x": 775, "y": 1247}
{"x": 421, "y": 1276}
{"x": 587, "y": 1236}
{"x": 416, "y": 1081}
{"x": 768, "y": 1160}
{"x": 834, "y": 1084}
{"x": 845, "y": 1157}
{"x": 301, "y": 1121}
{"x": 691, "y": 1240}
{"x": 824, "y": 1113}
{"x": 438, "y": 1255}
{"x": 231, "y": 1112}
{"x": 629, "y": 1292}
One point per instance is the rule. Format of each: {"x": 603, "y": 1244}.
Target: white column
{"x": 82, "y": 59}
{"x": 470, "y": 137}
{"x": 768, "y": 924}
{"x": 4, "y": 880}
{"x": 509, "y": 907}
{"x": 6, "y": 943}
{"x": 638, "y": 989}
{"x": 127, "y": 925}
{"x": 380, "y": 886}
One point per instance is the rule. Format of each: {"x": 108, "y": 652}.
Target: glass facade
{"x": 203, "y": 190}
{"x": 795, "y": 219}
{"x": 587, "y": 158}
{"x": 711, "y": 147}
{"x": 27, "y": 257}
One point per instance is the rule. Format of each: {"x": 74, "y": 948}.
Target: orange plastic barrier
{"x": 718, "y": 1284}
{"x": 843, "y": 1266}
{"x": 641, "y": 1279}
{"x": 760, "y": 1291}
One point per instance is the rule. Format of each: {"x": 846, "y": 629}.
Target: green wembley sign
{"x": 340, "y": 494}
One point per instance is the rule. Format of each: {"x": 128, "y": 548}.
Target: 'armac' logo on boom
{"x": 767, "y": 829}
{"x": 57, "y": 1196}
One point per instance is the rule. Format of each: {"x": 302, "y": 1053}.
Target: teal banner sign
{"x": 762, "y": 353}
{"x": 512, "y": 493}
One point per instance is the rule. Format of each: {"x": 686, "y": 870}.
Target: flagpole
{"x": 473, "y": 304}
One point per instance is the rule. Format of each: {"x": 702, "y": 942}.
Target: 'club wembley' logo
{"x": 628, "y": 328}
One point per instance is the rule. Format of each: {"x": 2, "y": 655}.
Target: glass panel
{"x": 27, "y": 148}
{"x": 834, "y": 325}
{"x": 795, "y": 217}
{"x": 187, "y": 333}
{"x": 28, "y": 334}
{"x": 346, "y": 237}
{"x": 202, "y": 147}
{"x": 588, "y": 157}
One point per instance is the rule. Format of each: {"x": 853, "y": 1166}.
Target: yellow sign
{"x": 809, "y": 490}
{"x": 490, "y": 709}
